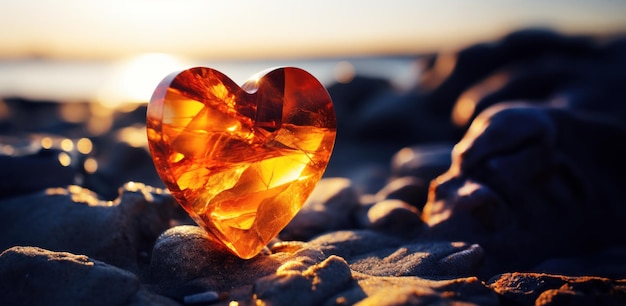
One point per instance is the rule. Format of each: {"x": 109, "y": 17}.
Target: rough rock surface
{"x": 329, "y": 208}
{"x": 312, "y": 273}
{"x": 73, "y": 219}
{"x": 484, "y": 196}
{"x": 18, "y": 171}
{"x": 547, "y": 289}
{"x": 34, "y": 276}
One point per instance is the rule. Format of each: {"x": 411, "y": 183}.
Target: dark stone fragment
{"x": 28, "y": 173}
{"x": 329, "y": 208}
{"x": 74, "y": 219}
{"x": 409, "y": 189}
{"x": 394, "y": 217}
{"x": 424, "y": 162}
{"x": 549, "y": 289}
{"x": 531, "y": 183}
{"x": 478, "y": 61}
{"x": 34, "y": 276}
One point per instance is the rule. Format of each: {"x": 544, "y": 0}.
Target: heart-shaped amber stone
{"x": 241, "y": 160}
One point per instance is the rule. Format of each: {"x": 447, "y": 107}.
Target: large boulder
{"x": 73, "y": 219}
{"x": 530, "y": 183}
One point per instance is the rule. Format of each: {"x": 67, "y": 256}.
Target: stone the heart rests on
{"x": 241, "y": 160}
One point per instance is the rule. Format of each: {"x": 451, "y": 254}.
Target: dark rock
{"x": 607, "y": 263}
{"x": 478, "y": 61}
{"x": 368, "y": 178}
{"x": 530, "y": 183}
{"x": 33, "y": 116}
{"x": 182, "y": 253}
{"x": 394, "y": 217}
{"x": 589, "y": 83}
{"x": 533, "y": 65}
{"x": 34, "y": 276}
{"x": 206, "y": 297}
{"x": 351, "y": 96}
{"x": 124, "y": 162}
{"x": 329, "y": 208}
{"x": 360, "y": 215}
{"x": 379, "y": 254}
{"x": 547, "y": 289}
{"x": 185, "y": 262}
{"x": 185, "y": 255}
{"x": 32, "y": 172}
{"x": 538, "y": 81}
{"x": 349, "y": 99}
{"x": 409, "y": 189}
{"x": 291, "y": 285}
{"x": 132, "y": 115}
{"x": 432, "y": 260}
{"x": 424, "y": 162}
{"x": 347, "y": 244}
{"x": 390, "y": 291}
{"x": 399, "y": 120}
{"x": 119, "y": 232}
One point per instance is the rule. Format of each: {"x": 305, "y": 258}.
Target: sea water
{"x": 85, "y": 80}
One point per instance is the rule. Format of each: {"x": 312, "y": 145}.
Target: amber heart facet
{"x": 241, "y": 160}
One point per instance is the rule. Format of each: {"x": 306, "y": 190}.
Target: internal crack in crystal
{"x": 242, "y": 172}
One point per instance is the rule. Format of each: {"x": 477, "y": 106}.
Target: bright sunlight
{"x": 134, "y": 79}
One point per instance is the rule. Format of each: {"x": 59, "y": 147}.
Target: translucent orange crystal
{"x": 241, "y": 160}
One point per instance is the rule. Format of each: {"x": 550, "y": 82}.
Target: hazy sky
{"x": 247, "y": 28}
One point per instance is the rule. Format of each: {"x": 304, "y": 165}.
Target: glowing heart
{"x": 241, "y": 160}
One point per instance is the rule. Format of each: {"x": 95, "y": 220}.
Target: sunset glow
{"x": 133, "y": 80}
{"x": 279, "y": 28}
{"x": 116, "y": 51}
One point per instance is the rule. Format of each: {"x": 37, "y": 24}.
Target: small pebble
{"x": 409, "y": 189}
{"x": 394, "y": 217}
{"x": 202, "y": 297}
